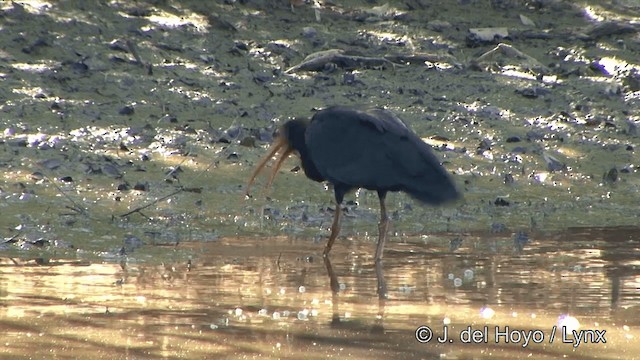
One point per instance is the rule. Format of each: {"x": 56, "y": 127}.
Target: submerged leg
{"x": 378, "y": 327}
{"x": 383, "y": 226}
{"x": 335, "y": 230}
{"x": 339, "y": 192}
{"x": 335, "y": 289}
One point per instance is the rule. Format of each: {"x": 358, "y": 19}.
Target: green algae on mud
{"x": 90, "y": 135}
{"x": 70, "y": 107}
{"x": 219, "y": 208}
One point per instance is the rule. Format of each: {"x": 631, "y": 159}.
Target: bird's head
{"x": 290, "y": 138}
{"x": 293, "y": 131}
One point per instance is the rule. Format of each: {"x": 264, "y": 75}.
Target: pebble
{"x": 309, "y": 32}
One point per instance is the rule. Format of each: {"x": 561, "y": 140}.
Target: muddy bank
{"x": 142, "y": 121}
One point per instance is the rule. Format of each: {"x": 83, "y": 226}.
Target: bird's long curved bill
{"x": 285, "y": 149}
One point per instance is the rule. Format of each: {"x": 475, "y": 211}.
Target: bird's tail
{"x": 434, "y": 188}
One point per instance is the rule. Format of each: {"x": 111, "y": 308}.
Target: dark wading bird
{"x": 367, "y": 148}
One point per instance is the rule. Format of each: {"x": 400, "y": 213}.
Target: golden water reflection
{"x": 276, "y": 298}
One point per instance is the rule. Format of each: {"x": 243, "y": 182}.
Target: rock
{"x": 610, "y": 176}
{"x": 438, "y": 25}
{"x": 553, "y": 164}
{"x": 526, "y": 21}
{"x": 478, "y": 36}
{"x": 508, "y": 179}
{"x": 501, "y": 202}
{"x": 309, "y": 32}
{"x": 127, "y": 110}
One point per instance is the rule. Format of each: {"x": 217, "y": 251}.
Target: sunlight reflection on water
{"x": 275, "y": 297}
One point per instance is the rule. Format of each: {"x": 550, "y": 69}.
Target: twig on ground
{"x": 138, "y": 209}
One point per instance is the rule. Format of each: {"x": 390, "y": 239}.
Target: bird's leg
{"x": 335, "y": 230}
{"x": 335, "y": 289}
{"x": 383, "y": 226}
{"x": 382, "y": 298}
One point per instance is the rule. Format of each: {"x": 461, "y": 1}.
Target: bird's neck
{"x": 308, "y": 165}
{"x": 295, "y": 131}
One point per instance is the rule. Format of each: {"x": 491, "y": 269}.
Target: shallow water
{"x": 272, "y": 298}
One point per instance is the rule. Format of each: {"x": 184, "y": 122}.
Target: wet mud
{"x": 129, "y": 129}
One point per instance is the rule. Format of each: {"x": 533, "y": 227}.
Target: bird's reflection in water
{"x": 378, "y": 326}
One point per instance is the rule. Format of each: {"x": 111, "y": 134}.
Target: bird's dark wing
{"x": 374, "y": 149}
